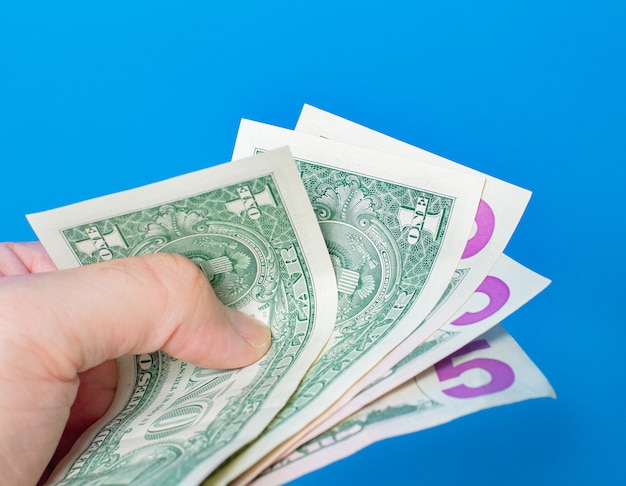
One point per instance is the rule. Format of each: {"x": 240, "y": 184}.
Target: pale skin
{"x": 60, "y": 332}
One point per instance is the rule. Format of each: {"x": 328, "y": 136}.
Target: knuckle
{"x": 177, "y": 277}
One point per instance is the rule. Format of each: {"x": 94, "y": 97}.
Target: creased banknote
{"x": 249, "y": 226}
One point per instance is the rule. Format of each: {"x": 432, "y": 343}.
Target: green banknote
{"x": 490, "y": 371}
{"x": 499, "y": 211}
{"x": 249, "y": 226}
{"x": 395, "y": 230}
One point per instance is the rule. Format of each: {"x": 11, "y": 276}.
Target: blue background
{"x": 96, "y": 97}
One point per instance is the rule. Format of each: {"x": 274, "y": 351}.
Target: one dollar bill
{"x": 499, "y": 211}
{"x": 250, "y": 227}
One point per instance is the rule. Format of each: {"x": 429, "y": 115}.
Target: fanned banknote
{"x": 488, "y": 372}
{"x": 500, "y": 209}
{"x": 395, "y": 230}
{"x": 508, "y": 286}
{"x": 250, "y": 227}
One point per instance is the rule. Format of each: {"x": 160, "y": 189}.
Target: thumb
{"x": 87, "y": 315}
{"x": 56, "y": 324}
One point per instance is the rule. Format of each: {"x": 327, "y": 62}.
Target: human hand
{"x": 60, "y": 332}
